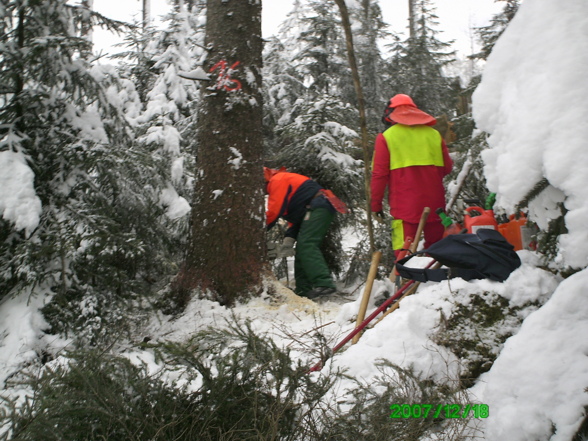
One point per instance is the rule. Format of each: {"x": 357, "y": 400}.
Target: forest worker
{"x": 309, "y": 210}
{"x": 411, "y": 159}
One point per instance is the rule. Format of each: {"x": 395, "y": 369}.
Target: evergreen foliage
{"x": 166, "y": 125}
{"x": 311, "y": 114}
{"x": 369, "y": 409}
{"x": 102, "y": 233}
{"x": 467, "y": 177}
{"x": 489, "y": 34}
{"x": 322, "y": 54}
{"x": 93, "y": 395}
{"x": 283, "y": 87}
{"x": 416, "y": 68}
{"x": 372, "y": 30}
{"x": 548, "y": 239}
{"x": 477, "y": 328}
{"x": 319, "y": 144}
{"x": 231, "y": 385}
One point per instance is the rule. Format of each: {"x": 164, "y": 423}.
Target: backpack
{"x": 483, "y": 255}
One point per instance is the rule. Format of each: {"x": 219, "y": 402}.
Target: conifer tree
{"x": 166, "y": 125}
{"x": 99, "y": 235}
{"x": 488, "y": 35}
{"x": 322, "y": 55}
{"x": 368, "y": 17}
{"x": 283, "y": 87}
{"x": 416, "y": 68}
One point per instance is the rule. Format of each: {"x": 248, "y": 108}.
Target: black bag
{"x": 484, "y": 255}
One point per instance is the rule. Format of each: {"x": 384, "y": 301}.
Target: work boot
{"x": 320, "y": 291}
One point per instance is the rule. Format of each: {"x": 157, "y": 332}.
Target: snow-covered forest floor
{"x": 532, "y": 327}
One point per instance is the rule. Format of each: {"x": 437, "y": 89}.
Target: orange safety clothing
{"x": 289, "y": 195}
{"x": 411, "y": 161}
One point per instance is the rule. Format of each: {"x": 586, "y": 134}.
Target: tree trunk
{"x": 412, "y": 18}
{"x": 226, "y": 254}
{"x": 87, "y": 20}
{"x": 362, "y": 119}
{"x": 146, "y": 12}
{"x": 86, "y": 30}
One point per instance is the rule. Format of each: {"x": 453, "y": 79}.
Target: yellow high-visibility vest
{"x": 413, "y": 145}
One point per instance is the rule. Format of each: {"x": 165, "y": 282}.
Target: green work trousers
{"x": 310, "y": 267}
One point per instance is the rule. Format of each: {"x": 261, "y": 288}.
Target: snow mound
{"x": 536, "y": 388}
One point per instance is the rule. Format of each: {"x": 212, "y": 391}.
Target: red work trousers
{"x": 433, "y": 232}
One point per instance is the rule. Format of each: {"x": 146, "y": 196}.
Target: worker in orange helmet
{"x": 410, "y": 160}
{"x": 309, "y": 210}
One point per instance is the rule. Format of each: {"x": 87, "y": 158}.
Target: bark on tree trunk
{"x": 227, "y": 247}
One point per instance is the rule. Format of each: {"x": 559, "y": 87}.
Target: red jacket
{"x": 411, "y": 188}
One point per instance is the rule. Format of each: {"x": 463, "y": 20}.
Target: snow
{"x": 167, "y": 136}
{"x": 18, "y": 201}
{"x": 536, "y": 381}
{"x": 402, "y": 338}
{"x": 517, "y": 405}
{"x": 533, "y": 100}
{"x": 541, "y": 375}
{"x": 89, "y": 123}
{"x": 177, "y": 169}
{"x": 176, "y": 206}
{"x": 197, "y": 74}
{"x": 21, "y": 334}
{"x": 237, "y": 161}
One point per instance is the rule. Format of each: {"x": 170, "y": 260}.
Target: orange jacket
{"x": 289, "y": 195}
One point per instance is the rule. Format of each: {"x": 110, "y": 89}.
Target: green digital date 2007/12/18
{"x": 439, "y": 410}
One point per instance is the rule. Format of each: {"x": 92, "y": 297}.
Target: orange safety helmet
{"x": 401, "y": 100}
{"x": 402, "y": 110}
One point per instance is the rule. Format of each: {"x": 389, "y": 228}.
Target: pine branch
{"x": 532, "y": 194}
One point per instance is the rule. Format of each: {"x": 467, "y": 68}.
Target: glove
{"x": 272, "y": 250}
{"x": 277, "y": 250}
{"x": 286, "y": 249}
{"x": 379, "y": 216}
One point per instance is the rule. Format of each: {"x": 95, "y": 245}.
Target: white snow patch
{"x": 19, "y": 202}
{"x": 177, "y": 206}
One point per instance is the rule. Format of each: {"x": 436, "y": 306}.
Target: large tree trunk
{"x": 227, "y": 246}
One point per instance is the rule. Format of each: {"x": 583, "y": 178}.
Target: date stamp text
{"x": 439, "y": 410}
